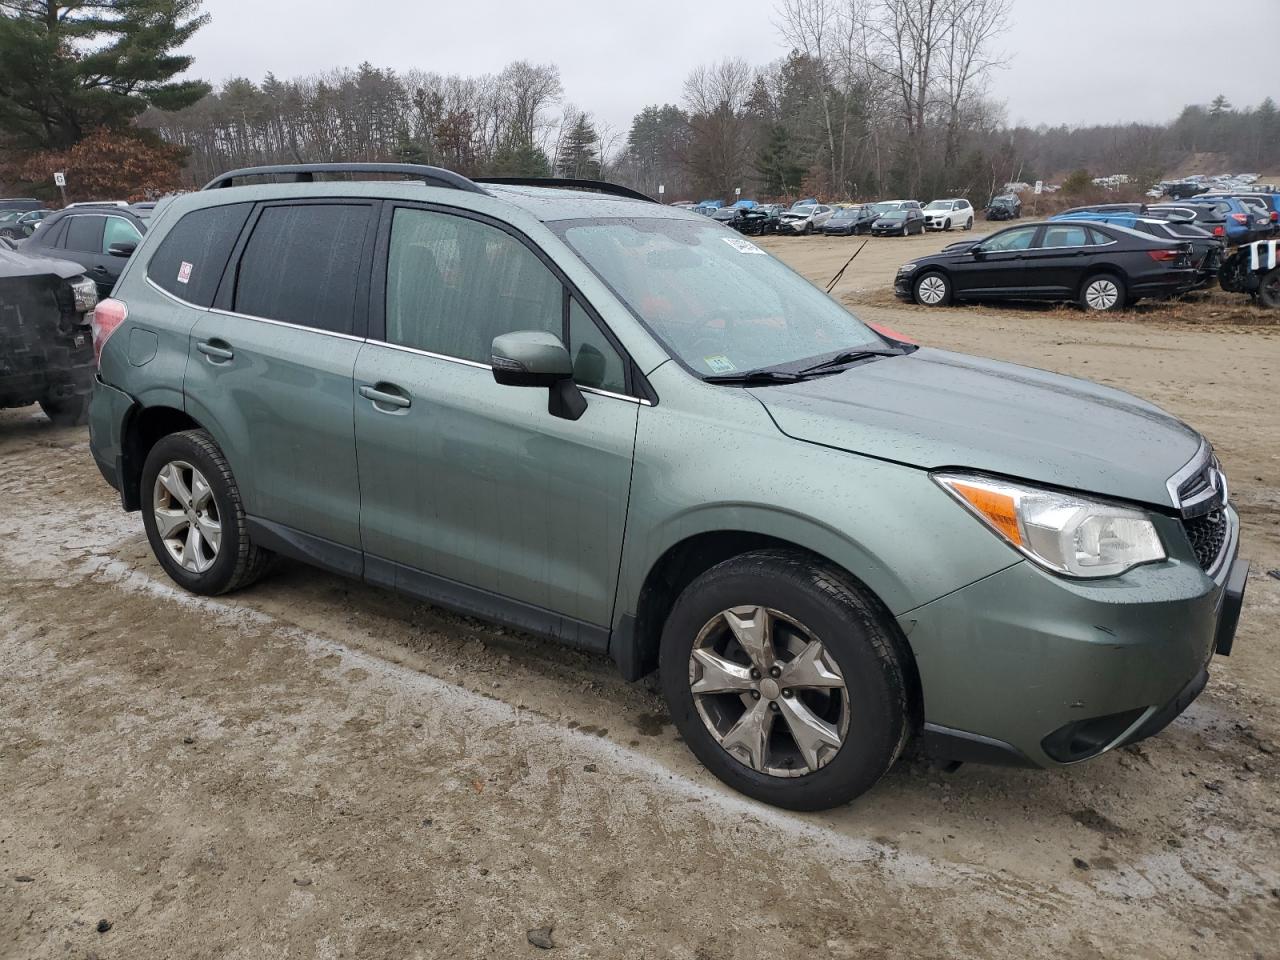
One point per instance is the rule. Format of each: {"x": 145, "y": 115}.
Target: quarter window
{"x": 595, "y": 362}
{"x": 192, "y": 256}
{"x": 453, "y": 284}
{"x": 302, "y": 265}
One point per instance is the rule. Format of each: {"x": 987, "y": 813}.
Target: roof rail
{"x": 569, "y": 183}
{"x": 306, "y": 173}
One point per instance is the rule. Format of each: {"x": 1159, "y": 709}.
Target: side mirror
{"x": 122, "y": 249}
{"x": 533, "y": 358}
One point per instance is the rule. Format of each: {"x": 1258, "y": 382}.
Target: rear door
{"x": 471, "y": 491}
{"x": 270, "y": 367}
{"x": 1056, "y": 264}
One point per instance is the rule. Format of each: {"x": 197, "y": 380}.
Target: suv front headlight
{"x": 1064, "y": 533}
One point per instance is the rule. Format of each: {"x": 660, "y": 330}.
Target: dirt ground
{"x": 317, "y": 769}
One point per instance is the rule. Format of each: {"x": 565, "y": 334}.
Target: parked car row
{"x": 809, "y": 216}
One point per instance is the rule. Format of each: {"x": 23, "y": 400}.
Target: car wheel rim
{"x": 932, "y": 290}
{"x": 1101, "y": 295}
{"x": 768, "y": 692}
{"x": 186, "y": 516}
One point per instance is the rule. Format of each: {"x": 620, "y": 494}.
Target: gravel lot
{"x": 315, "y": 768}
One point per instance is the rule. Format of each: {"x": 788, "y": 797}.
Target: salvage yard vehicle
{"x": 1206, "y": 249}
{"x": 1099, "y": 266}
{"x": 850, "y": 221}
{"x": 99, "y": 237}
{"x": 898, "y": 222}
{"x": 945, "y": 214}
{"x": 1254, "y": 269}
{"x": 587, "y": 415}
{"x": 1007, "y": 206}
{"x": 805, "y": 218}
{"x": 46, "y": 352}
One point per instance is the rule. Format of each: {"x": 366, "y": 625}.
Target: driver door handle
{"x": 385, "y": 397}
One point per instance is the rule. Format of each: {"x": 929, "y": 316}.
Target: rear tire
{"x": 1269, "y": 290}
{"x": 1102, "y": 293}
{"x": 204, "y": 546}
{"x": 781, "y": 614}
{"x": 67, "y": 411}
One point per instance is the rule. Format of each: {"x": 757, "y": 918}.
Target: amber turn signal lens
{"x": 999, "y": 509}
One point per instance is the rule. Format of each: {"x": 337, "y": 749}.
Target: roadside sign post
{"x": 737, "y": 191}
{"x": 1039, "y": 190}
{"x": 60, "y": 181}
{"x": 662, "y": 188}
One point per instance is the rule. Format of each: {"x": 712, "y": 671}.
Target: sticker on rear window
{"x": 720, "y": 364}
{"x": 742, "y": 246}
{"x": 184, "y": 272}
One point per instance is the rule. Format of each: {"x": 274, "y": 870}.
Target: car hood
{"x": 15, "y": 263}
{"x": 935, "y": 409}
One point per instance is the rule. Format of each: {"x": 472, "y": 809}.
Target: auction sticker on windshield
{"x": 742, "y": 246}
{"x": 720, "y": 364}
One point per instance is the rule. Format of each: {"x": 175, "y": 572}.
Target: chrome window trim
{"x": 172, "y": 296}
{"x": 286, "y": 323}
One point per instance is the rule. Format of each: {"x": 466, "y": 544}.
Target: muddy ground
{"x": 317, "y": 769}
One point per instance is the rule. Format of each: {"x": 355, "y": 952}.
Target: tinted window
{"x": 191, "y": 257}
{"x": 302, "y": 264}
{"x": 1064, "y": 237}
{"x": 85, "y": 234}
{"x": 1097, "y": 238}
{"x": 453, "y": 284}
{"x": 1017, "y": 239}
{"x": 595, "y": 362}
{"x": 118, "y": 230}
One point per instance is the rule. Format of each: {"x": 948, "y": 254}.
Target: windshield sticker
{"x": 742, "y": 246}
{"x": 720, "y": 364}
{"x": 184, "y": 272}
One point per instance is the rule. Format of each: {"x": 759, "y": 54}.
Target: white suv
{"x": 945, "y": 214}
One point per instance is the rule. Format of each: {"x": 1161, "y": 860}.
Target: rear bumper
{"x": 1027, "y": 668}
{"x": 109, "y": 409}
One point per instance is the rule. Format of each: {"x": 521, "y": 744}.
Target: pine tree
{"x": 579, "y": 153}
{"x": 71, "y": 66}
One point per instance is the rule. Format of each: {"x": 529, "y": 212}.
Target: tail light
{"x": 1240, "y": 217}
{"x": 1164, "y": 256}
{"x": 106, "y": 318}
{"x": 1275, "y": 216}
{"x": 1219, "y": 231}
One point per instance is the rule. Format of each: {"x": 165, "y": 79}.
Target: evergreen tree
{"x": 579, "y": 151}
{"x": 780, "y": 173}
{"x": 71, "y": 66}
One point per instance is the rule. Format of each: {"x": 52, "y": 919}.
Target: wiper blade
{"x": 849, "y": 356}
{"x": 756, "y": 377}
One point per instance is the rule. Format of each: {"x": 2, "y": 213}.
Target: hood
{"x": 935, "y": 409}
{"x": 960, "y": 246}
{"x": 18, "y": 264}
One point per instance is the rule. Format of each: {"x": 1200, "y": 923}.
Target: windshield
{"x": 939, "y": 205}
{"x": 845, "y": 213}
{"x": 716, "y": 301}
{"x": 802, "y": 211}
{"x": 894, "y": 215}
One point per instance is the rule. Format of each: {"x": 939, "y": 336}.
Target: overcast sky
{"x": 1070, "y": 61}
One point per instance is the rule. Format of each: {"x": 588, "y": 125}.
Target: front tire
{"x": 932, "y": 290}
{"x": 1102, "y": 293}
{"x": 67, "y": 411}
{"x": 1269, "y": 290}
{"x": 194, "y": 517}
{"x": 968, "y": 224}
{"x": 785, "y": 680}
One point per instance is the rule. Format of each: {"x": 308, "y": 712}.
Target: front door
{"x": 995, "y": 265}
{"x": 472, "y": 492}
{"x": 271, "y": 374}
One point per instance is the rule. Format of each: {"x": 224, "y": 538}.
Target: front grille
{"x": 1208, "y": 536}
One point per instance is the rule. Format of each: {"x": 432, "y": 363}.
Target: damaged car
{"x": 46, "y": 351}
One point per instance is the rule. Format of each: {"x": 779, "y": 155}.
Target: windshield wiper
{"x": 848, "y": 356}
{"x": 757, "y": 377}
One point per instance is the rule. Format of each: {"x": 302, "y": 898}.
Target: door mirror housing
{"x": 122, "y": 249}
{"x": 534, "y": 358}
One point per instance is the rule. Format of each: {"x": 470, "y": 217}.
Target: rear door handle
{"x": 385, "y": 397}
{"x": 216, "y": 351}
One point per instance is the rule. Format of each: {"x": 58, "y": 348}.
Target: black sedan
{"x": 1101, "y": 267}
{"x": 849, "y": 221}
{"x": 100, "y": 239}
{"x": 898, "y": 223}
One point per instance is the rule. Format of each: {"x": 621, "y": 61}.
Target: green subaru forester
{"x": 564, "y": 407}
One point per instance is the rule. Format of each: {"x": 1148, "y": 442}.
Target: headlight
{"x": 85, "y": 292}
{"x": 1064, "y": 533}
{"x": 907, "y": 267}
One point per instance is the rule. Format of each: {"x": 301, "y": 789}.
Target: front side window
{"x": 1017, "y": 239}
{"x": 118, "y": 230}
{"x": 453, "y": 284}
{"x": 302, "y": 265}
{"x": 84, "y": 234}
{"x": 715, "y": 300}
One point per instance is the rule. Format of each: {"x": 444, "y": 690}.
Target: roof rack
{"x": 568, "y": 183}
{"x": 306, "y": 173}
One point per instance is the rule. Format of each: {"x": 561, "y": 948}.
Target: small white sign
{"x": 662, "y": 188}
{"x": 1039, "y": 186}
{"x": 184, "y": 272}
{"x": 737, "y": 191}
{"x": 59, "y": 179}
{"x": 743, "y": 246}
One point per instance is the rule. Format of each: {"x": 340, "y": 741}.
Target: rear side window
{"x": 85, "y": 234}
{"x": 453, "y": 284}
{"x": 1097, "y": 238}
{"x": 302, "y": 265}
{"x": 191, "y": 257}
{"x": 1065, "y": 237}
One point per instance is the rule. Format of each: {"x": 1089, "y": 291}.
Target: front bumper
{"x": 1026, "y": 667}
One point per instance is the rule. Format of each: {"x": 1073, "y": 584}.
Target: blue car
{"x": 1206, "y": 249}
{"x": 1246, "y": 222}
{"x": 1271, "y": 201}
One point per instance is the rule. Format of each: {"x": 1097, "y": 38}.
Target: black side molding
{"x": 959, "y": 746}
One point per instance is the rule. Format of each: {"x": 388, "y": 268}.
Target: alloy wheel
{"x": 768, "y": 691}
{"x": 1101, "y": 294}
{"x": 932, "y": 290}
{"x": 186, "y": 516}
